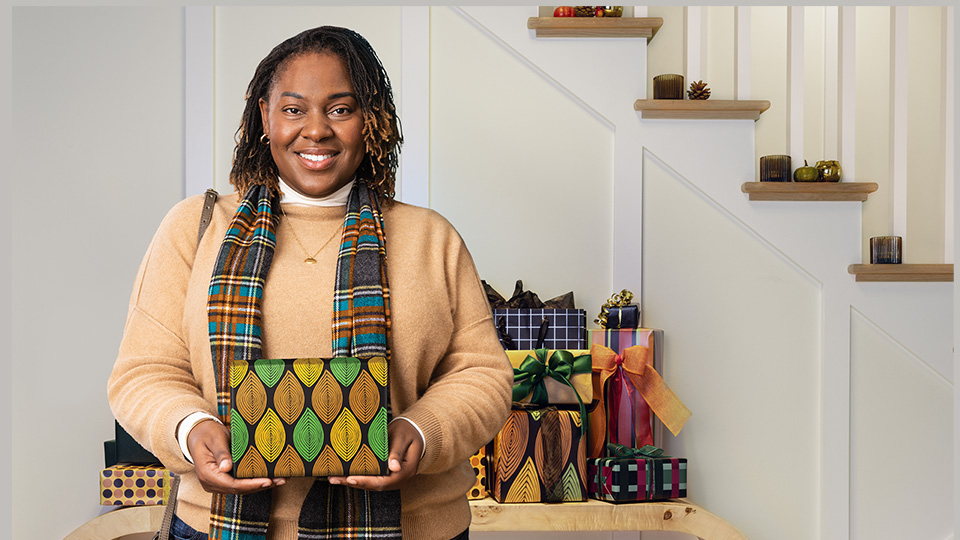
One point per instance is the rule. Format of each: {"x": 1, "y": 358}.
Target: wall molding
{"x": 898, "y": 82}
{"x": 199, "y": 131}
{"x": 733, "y": 217}
{"x": 415, "y": 106}
{"x": 534, "y": 67}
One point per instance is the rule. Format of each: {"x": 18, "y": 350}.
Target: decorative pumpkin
{"x": 806, "y": 173}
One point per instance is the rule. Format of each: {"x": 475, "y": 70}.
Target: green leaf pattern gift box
{"x": 308, "y": 417}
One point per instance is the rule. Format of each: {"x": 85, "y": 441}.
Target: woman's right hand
{"x": 209, "y": 446}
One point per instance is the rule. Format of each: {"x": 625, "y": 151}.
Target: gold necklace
{"x": 311, "y": 259}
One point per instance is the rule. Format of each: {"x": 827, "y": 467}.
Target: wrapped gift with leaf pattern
{"x": 308, "y": 417}
{"x": 540, "y": 456}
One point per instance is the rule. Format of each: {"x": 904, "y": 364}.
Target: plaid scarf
{"x": 361, "y": 327}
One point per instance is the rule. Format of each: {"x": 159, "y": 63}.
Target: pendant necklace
{"x": 311, "y": 259}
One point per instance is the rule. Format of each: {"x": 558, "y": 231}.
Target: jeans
{"x": 181, "y": 531}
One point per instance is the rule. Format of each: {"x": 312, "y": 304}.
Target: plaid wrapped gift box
{"x": 565, "y": 328}
{"x": 481, "y": 488}
{"x": 639, "y": 477}
{"x": 540, "y": 456}
{"x": 134, "y": 485}
{"x": 308, "y": 417}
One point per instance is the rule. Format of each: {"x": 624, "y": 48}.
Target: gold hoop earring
{"x": 264, "y": 139}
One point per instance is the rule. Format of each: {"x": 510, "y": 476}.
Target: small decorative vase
{"x": 668, "y": 86}
{"x": 775, "y": 168}
{"x": 828, "y": 171}
{"x": 612, "y": 11}
{"x": 886, "y": 250}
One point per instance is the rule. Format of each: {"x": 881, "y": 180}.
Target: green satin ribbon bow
{"x": 561, "y": 366}
{"x": 647, "y": 451}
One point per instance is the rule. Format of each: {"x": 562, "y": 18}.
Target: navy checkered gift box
{"x": 520, "y": 328}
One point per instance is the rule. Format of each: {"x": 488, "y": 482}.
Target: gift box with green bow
{"x": 636, "y": 474}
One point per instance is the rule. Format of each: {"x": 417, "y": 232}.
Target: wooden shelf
{"x": 701, "y": 109}
{"x": 902, "y": 272}
{"x": 578, "y": 27}
{"x": 808, "y": 191}
{"x": 678, "y": 515}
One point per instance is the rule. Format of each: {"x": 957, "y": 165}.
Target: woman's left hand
{"x": 406, "y": 447}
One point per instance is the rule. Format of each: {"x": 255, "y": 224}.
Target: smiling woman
{"x": 316, "y": 159}
{"x": 314, "y": 125}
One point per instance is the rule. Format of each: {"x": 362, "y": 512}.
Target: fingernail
{"x": 335, "y": 481}
{"x": 351, "y": 481}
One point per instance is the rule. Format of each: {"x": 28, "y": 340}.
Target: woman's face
{"x": 314, "y": 124}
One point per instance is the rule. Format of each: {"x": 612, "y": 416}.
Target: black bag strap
{"x": 208, "y": 203}
{"x": 542, "y": 333}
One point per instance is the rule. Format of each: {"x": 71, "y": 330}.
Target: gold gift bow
{"x": 637, "y": 364}
{"x": 620, "y": 299}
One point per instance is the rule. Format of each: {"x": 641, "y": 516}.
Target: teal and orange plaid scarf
{"x": 361, "y": 327}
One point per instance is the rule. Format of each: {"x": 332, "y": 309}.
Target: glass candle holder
{"x": 886, "y": 250}
{"x": 668, "y": 86}
{"x": 776, "y": 168}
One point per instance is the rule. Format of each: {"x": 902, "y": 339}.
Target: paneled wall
{"x": 883, "y": 69}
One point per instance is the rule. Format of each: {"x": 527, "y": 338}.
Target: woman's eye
{"x": 340, "y": 111}
{"x": 291, "y": 110}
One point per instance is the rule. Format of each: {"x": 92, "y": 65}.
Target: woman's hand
{"x": 406, "y": 447}
{"x": 209, "y": 446}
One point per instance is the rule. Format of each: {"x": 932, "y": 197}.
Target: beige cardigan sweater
{"x": 448, "y": 372}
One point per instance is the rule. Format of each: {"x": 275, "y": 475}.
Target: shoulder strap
{"x": 208, "y": 203}
{"x": 164, "y": 532}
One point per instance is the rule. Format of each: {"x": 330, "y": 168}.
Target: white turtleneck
{"x": 289, "y": 195}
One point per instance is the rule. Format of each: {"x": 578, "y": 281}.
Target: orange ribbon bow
{"x": 637, "y": 364}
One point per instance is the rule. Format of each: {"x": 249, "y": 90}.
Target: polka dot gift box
{"x": 134, "y": 485}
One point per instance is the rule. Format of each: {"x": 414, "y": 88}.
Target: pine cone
{"x": 584, "y": 11}
{"x": 698, "y": 90}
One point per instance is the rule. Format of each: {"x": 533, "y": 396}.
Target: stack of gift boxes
{"x": 589, "y": 405}
{"x": 132, "y": 475}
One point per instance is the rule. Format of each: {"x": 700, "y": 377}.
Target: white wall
{"x": 742, "y": 341}
{"x": 536, "y": 208}
{"x": 98, "y": 162}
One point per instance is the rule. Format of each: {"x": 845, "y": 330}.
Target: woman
{"x": 317, "y": 144}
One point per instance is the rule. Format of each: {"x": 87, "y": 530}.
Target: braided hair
{"x": 252, "y": 160}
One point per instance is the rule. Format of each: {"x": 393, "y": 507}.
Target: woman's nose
{"x": 317, "y": 127}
